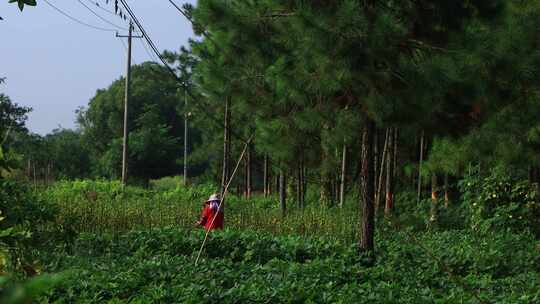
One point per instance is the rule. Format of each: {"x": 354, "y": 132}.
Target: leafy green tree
{"x": 67, "y": 154}
{"x": 292, "y": 68}
{"x": 12, "y": 116}
{"x": 155, "y": 125}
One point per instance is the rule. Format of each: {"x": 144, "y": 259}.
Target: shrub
{"x": 501, "y": 201}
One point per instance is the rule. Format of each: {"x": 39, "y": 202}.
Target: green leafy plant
{"x": 22, "y": 3}
{"x": 501, "y": 201}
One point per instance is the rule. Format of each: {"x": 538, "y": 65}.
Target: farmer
{"x": 210, "y": 211}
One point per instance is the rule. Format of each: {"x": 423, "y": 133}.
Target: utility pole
{"x": 186, "y": 114}
{"x": 126, "y": 103}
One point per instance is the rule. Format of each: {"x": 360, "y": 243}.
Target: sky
{"x": 55, "y": 65}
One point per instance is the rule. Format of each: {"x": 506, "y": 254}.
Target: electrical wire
{"x": 77, "y": 20}
{"x": 184, "y": 85}
{"x": 100, "y": 17}
{"x": 188, "y": 17}
{"x": 102, "y": 8}
{"x": 151, "y": 56}
{"x": 124, "y": 44}
{"x": 181, "y": 11}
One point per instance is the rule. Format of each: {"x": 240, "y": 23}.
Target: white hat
{"x": 213, "y": 197}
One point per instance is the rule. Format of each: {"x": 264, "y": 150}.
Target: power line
{"x": 79, "y": 21}
{"x": 100, "y": 17}
{"x": 181, "y": 11}
{"x": 102, "y": 8}
{"x": 124, "y": 45}
{"x": 190, "y": 19}
{"x": 151, "y": 56}
{"x": 185, "y": 86}
{"x": 164, "y": 62}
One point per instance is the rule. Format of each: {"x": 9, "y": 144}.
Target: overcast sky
{"x": 54, "y": 65}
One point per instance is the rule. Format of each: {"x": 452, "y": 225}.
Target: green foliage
{"x": 22, "y": 215}
{"x": 158, "y": 266}
{"x": 154, "y": 124}
{"x": 22, "y": 3}
{"x": 501, "y": 201}
{"x": 14, "y": 292}
{"x": 12, "y": 116}
{"x": 21, "y": 207}
{"x": 90, "y": 206}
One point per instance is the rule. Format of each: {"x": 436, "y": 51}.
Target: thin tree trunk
{"x": 446, "y": 194}
{"x": 304, "y": 182}
{"x": 47, "y": 172}
{"x": 381, "y": 171}
{"x": 226, "y": 147}
{"x": 29, "y": 169}
{"x": 265, "y": 176}
{"x": 326, "y": 183}
{"x": 419, "y": 189}
{"x": 343, "y": 176}
{"x": 376, "y": 164}
{"x": 282, "y": 191}
{"x": 299, "y": 184}
{"x": 248, "y": 172}
{"x": 367, "y": 228}
{"x": 389, "y": 203}
{"x": 434, "y": 199}
{"x": 395, "y": 151}
{"x": 276, "y": 182}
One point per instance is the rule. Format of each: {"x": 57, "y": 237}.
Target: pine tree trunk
{"x": 276, "y": 182}
{"x": 324, "y": 198}
{"x": 376, "y": 164}
{"x": 29, "y": 169}
{"x": 35, "y": 177}
{"x": 395, "y": 151}
{"x": 446, "y": 194}
{"x": 381, "y": 171}
{"x": 389, "y": 203}
{"x": 434, "y": 199}
{"x": 265, "y": 176}
{"x": 283, "y": 191}
{"x": 304, "y": 182}
{"x": 367, "y": 228}
{"x": 226, "y": 147}
{"x": 299, "y": 185}
{"x": 47, "y": 174}
{"x": 343, "y": 176}
{"x": 248, "y": 172}
{"x": 419, "y": 189}
{"x": 326, "y": 183}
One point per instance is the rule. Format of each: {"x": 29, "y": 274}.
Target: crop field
{"x": 141, "y": 247}
{"x": 345, "y": 151}
{"x": 158, "y": 266}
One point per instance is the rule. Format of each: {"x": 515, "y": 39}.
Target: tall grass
{"x": 102, "y": 206}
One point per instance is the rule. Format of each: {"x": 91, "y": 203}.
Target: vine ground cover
{"x": 157, "y": 266}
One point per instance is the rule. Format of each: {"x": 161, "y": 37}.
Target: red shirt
{"x": 208, "y": 214}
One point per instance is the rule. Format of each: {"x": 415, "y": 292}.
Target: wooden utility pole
{"x": 126, "y": 104}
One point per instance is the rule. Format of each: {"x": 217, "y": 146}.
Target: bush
{"x": 501, "y": 201}
{"x": 22, "y": 215}
{"x": 21, "y": 207}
